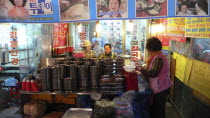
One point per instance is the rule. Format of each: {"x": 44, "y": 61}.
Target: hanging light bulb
{"x": 130, "y": 26}
{"x": 98, "y": 27}
{"x": 79, "y": 27}
{"x": 94, "y": 33}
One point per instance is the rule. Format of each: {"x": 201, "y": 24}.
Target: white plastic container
{"x": 129, "y": 68}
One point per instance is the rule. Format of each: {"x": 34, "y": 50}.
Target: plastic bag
{"x": 142, "y": 84}
{"x": 124, "y": 111}
{"x": 123, "y": 107}
{"x": 128, "y": 97}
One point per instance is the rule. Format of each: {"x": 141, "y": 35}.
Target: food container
{"x": 105, "y": 76}
{"x": 105, "y": 80}
{"x": 73, "y": 75}
{"x": 104, "y": 109}
{"x": 83, "y": 77}
{"x": 49, "y": 78}
{"x": 78, "y": 113}
{"x": 94, "y": 72}
{"x": 56, "y": 78}
{"x": 129, "y": 68}
{"x": 120, "y": 63}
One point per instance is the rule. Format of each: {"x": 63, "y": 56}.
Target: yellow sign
{"x": 200, "y": 77}
{"x": 175, "y": 27}
{"x": 188, "y": 71}
{"x": 181, "y": 62}
{"x": 166, "y": 48}
{"x": 197, "y": 27}
{"x": 175, "y": 55}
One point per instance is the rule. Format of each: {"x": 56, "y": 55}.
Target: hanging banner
{"x": 192, "y": 8}
{"x": 197, "y": 27}
{"x": 181, "y": 62}
{"x": 151, "y": 8}
{"x": 112, "y": 8}
{"x": 74, "y": 10}
{"x": 14, "y": 52}
{"x": 200, "y": 78}
{"x": 175, "y": 29}
{"x": 135, "y": 50}
{"x": 60, "y": 38}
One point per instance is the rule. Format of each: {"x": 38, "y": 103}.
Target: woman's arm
{"x": 155, "y": 70}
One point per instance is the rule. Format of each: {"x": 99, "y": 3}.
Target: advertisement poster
{"x": 60, "y": 33}
{"x": 192, "y": 8}
{"x": 151, "y": 8}
{"x": 197, "y": 27}
{"x": 200, "y": 77}
{"x": 74, "y": 10}
{"x": 176, "y": 29}
{"x": 112, "y": 8}
{"x": 26, "y": 10}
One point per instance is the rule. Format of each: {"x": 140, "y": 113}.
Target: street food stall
{"x": 47, "y": 69}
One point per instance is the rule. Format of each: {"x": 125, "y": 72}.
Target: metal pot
{"x": 49, "y": 78}
{"x": 83, "y": 77}
{"x": 73, "y": 76}
{"x": 94, "y": 74}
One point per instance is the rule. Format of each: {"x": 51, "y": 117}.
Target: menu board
{"x": 175, "y": 29}
{"x": 197, "y": 27}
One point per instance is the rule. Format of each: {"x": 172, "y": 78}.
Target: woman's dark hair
{"x": 13, "y": 3}
{"x": 119, "y": 1}
{"x": 203, "y": 4}
{"x": 153, "y": 44}
{"x": 108, "y": 44}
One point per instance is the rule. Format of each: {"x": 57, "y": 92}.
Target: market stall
{"x": 43, "y": 50}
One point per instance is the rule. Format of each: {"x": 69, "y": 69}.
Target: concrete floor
{"x": 171, "y": 111}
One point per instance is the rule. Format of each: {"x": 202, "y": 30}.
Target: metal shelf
{"x": 79, "y": 92}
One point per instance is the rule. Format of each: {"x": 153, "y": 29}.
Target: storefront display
{"x": 65, "y": 71}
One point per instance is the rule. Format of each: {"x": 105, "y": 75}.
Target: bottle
{"x": 34, "y": 86}
{"x": 28, "y": 85}
{"x": 24, "y": 84}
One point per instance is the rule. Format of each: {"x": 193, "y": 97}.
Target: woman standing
{"x": 157, "y": 71}
{"x": 18, "y": 10}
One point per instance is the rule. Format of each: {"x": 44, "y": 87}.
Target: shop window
{"x": 111, "y": 32}
{"x": 136, "y": 35}
{"x": 201, "y": 49}
{"x": 183, "y": 48}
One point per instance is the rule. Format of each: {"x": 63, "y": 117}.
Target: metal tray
{"x": 78, "y": 113}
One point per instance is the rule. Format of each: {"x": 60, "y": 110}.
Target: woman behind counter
{"x": 157, "y": 71}
{"x": 88, "y": 53}
{"x": 107, "y": 53}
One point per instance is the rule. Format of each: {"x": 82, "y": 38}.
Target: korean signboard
{"x": 197, "y": 27}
